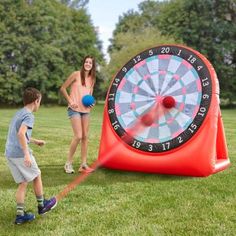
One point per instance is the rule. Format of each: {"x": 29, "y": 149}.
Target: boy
{"x": 20, "y": 159}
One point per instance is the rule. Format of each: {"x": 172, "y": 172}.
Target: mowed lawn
{"x": 112, "y": 202}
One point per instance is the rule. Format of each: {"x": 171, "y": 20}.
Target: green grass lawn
{"x": 115, "y": 202}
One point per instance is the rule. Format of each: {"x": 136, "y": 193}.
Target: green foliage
{"x": 209, "y": 27}
{"x": 75, "y": 3}
{"x": 135, "y": 22}
{"x": 42, "y": 43}
{"x": 134, "y": 33}
{"x": 129, "y": 22}
{"x": 130, "y": 44}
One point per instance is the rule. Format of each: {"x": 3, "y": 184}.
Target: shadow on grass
{"x": 102, "y": 176}
{"x": 54, "y": 175}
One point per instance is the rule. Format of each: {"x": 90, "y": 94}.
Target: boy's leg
{"x": 38, "y": 185}
{"x": 38, "y": 190}
{"x": 18, "y": 169}
{"x": 20, "y": 198}
{"x": 43, "y": 204}
{"x": 21, "y": 215}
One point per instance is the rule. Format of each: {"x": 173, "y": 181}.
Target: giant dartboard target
{"x": 147, "y": 80}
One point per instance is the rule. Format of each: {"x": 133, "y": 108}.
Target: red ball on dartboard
{"x": 168, "y": 102}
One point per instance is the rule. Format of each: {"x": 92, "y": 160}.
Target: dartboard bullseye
{"x": 172, "y": 78}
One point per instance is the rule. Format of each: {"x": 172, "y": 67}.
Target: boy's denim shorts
{"x": 71, "y": 113}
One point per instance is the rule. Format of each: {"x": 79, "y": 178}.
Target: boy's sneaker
{"x": 48, "y": 205}
{"x": 27, "y": 217}
{"x": 84, "y": 168}
{"x": 69, "y": 168}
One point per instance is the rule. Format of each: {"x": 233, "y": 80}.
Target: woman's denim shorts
{"x": 71, "y": 113}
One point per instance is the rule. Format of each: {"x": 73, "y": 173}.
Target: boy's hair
{"x": 30, "y": 95}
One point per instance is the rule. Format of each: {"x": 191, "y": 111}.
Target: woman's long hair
{"x": 92, "y": 72}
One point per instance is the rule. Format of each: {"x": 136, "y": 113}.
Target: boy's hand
{"x": 27, "y": 160}
{"x": 39, "y": 142}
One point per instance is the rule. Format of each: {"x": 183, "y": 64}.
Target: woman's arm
{"x": 65, "y": 85}
{"x": 91, "y": 91}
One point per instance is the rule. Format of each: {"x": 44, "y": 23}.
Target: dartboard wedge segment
{"x": 162, "y": 114}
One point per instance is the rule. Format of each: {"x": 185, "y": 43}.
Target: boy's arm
{"x": 38, "y": 142}
{"x": 23, "y": 142}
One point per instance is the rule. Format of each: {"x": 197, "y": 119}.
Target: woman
{"x": 80, "y": 83}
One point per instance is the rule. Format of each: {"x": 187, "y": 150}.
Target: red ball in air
{"x": 168, "y": 102}
{"x": 147, "y": 120}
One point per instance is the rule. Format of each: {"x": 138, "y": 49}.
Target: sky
{"x": 105, "y": 14}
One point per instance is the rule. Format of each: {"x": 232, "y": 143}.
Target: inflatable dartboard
{"x": 176, "y": 90}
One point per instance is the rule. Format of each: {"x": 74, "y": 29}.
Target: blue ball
{"x": 88, "y": 100}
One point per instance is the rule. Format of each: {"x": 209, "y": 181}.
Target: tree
{"x": 130, "y": 44}
{"x": 136, "y": 21}
{"x": 129, "y": 22}
{"x": 209, "y": 26}
{"x": 134, "y": 33}
{"x": 42, "y": 43}
{"x": 75, "y": 3}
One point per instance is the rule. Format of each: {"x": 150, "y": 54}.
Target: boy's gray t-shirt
{"x": 13, "y": 147}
